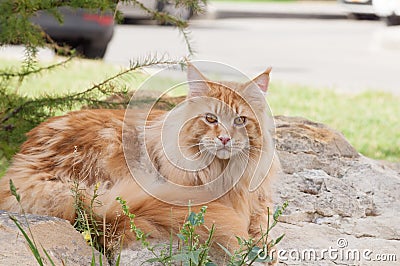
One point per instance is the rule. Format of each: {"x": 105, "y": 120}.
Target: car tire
{"x": 94, "y": 50}
{"x": 392, "y": 20}
{"x": 361, "y": 16}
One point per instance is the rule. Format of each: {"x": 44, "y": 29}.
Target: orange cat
{"x": 213, "y": 149}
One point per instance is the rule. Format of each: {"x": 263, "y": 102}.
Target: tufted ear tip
{"x": 262, "y": 80}
{"x": 197, "y": 81}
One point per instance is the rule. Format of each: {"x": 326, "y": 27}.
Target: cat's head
{"x": 223, "y": 119}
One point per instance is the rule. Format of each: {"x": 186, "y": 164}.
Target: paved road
{"x": 341, "y": 54}
{"x": 295, "y": 9}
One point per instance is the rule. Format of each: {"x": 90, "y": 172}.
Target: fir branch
{"x": 86, "y": 96}
{"x": 134, "y": 66}
{"x": 27, "y": 72}
{"x": 10, "y": 114}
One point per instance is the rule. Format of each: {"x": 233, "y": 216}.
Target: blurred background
{"x": 346, "y": 45}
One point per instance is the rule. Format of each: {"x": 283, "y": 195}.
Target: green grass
{"x": 76, "y": 76}
{"x": 370, "y": 121}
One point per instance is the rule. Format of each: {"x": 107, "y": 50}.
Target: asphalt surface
{"x": 344, "y": 55}
{"x": 294, "y": 10}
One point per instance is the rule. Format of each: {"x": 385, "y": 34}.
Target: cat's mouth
{"x": 220, "y": 151}
{"x": 224, "y": 153}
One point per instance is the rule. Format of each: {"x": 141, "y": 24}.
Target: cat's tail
{"x": 45, "y": 195}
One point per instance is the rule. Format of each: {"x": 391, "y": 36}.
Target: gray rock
{"x": 334, "y": 193}
{"x": 61, "y": 241}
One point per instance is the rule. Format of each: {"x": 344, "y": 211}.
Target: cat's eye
{"x": 212, "y": 119}
{"x": 240, "y": 121}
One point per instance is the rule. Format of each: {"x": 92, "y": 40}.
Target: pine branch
{"x": 25, "y": 72}
{"x": 85, "y": 96}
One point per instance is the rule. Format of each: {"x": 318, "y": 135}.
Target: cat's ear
{"x": 262, "y": 81}
{"x": 197, "y": 82}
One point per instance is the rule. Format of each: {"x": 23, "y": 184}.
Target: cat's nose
{"x": 224, "y": 139}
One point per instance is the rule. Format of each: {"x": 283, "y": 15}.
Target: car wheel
{"x": 361, "y": 16}
{"x": 392, "y": 20}
{"x": 94, "y": 50}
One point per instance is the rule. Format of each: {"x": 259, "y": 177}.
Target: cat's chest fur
{"x": 148, "y": 163}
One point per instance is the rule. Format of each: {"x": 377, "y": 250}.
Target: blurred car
{"x": 87, "y": 31}
{"x": 133, "y": 11}
{"x": 389, "y": 10}
{"x": 359, "y": 9}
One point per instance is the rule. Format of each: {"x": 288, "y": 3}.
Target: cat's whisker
{"x": 248, "y": 157}
{"x": 254, "y": 151}
{"x": 189, "y": 146}
{"x": 243, "y": 159}
{"x": 255, "y": 154}
{"x": 244, "y": 156}
{"x": 253, "y": 148}
{"x": 193, "y": 156}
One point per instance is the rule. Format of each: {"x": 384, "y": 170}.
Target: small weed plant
{"x": 250, "y": 250}
{"x": 28, "y": 235}
{"x": 87, "y": 222}
{"x": 192, "y": 252}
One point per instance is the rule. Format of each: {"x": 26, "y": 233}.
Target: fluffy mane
{"x": 213, "y": 149}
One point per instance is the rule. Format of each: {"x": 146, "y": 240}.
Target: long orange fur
{"x": 87, "y": 146}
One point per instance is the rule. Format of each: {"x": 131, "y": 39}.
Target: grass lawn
{"x": 370, "y": 121}
{"x": 76, "y": 76}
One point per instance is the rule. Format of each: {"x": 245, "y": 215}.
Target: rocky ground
{"x": 343, "y": 207}
{"x": 337, "y": 198}
{"x": 62, "y": 242}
